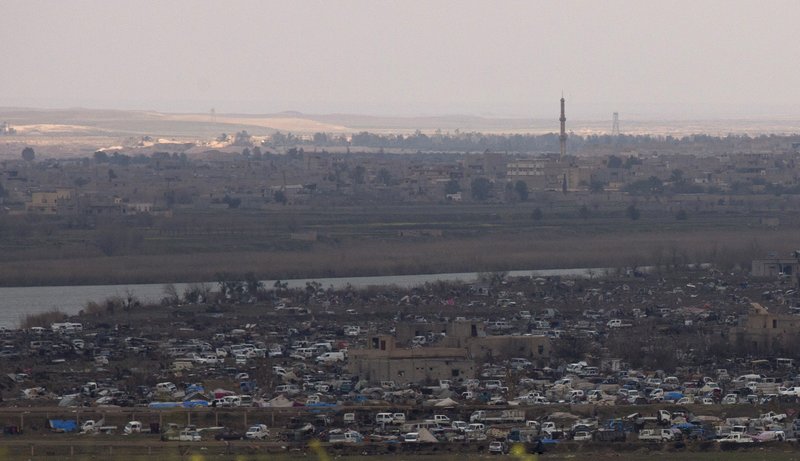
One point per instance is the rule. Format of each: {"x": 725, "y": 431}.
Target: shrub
{"x": 43, "y": 319}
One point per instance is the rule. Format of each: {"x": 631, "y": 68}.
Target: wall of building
{"x": 763, "y": 332}
{"x": 464, "y": 346}
{"x": 534, "y": 348}
{"x": 774, "y": 267}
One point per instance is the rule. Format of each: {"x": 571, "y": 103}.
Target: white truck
{"x": 133, "y": 427}
{"x": 189, "y": 435}
{"x": 459, "y": 426}
{"x": 502, "y": 416}
{"x": 91, "y": 426}
{"x": 736, "y": 437}
{"x": 390, "y": 418}
{"x": 617, "y": 323}
{"x": 257, "y": 432}
{"x": 338, "y": 436}
{"x": 331, "y": 357}
{"x": 657, "y": 435}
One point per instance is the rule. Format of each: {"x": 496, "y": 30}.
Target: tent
{"x": 426, "y": 436}
{"x": 446, "y": 403}
{"x": 280, "y": 402}
{"x": 69, "y": 401}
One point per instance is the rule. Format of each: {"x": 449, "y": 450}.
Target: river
{"x": 17, "y": 302}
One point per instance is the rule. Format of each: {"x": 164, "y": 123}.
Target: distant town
{"x": 246, "y": 172}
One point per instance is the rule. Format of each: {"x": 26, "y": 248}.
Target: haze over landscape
{"x": 372, "y": 229}
{"x": 681, "y": 60}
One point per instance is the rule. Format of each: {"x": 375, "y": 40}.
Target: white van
{"x": 166, "y": 387}
{"x": 331, "y": 357}
{"x": 133, "y": 427}
{"x": 290, "y": 389}
{"x": 384, "y": 418}
{"x": 475, "y": 427}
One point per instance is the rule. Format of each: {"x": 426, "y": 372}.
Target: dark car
{"x": 229, "y": 435}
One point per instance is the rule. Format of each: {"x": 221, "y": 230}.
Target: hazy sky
{"x": 676, "y": 59}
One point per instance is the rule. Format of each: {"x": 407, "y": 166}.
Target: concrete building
{"x": 384, "y": 361}
{"x": 766, "y": 332}
{"x": 59, "y": 201}
{"x": 775, "y": 267}
{"x": 458, "y": 349}
{"x": 540, "y": 173}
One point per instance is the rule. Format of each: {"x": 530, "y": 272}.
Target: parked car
{"x": 498, "y": 448}
{"x": 189, "y": 435}
{"x": 582, "y": 436}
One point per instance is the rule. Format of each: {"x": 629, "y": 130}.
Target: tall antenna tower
{"x": 563, "y": 137}
{"x": 213, "y": 115}
{"x": 615, "y": 125}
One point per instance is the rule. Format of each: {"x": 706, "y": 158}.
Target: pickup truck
{"x": 770, "y": 436}
{"x": 617, "y": 323}
{"x": 338, "y": 436}
{"x": 257, "y": 431}
{"x": 92, "y": 427}
{"x": 736, "y": 437}
{"x": 657, "y": 435}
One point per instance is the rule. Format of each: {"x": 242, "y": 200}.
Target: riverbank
{"x": 18, "y": 302}
{"x": 576, "y": 244}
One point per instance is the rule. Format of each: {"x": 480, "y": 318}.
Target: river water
{"x": 17, "y": 302}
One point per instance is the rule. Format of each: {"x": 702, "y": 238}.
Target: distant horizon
{"x": 678, "y": 60}
{"x": 581, "y": 117}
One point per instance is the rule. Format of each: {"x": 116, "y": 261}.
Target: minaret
{"x": 563, "y": 137}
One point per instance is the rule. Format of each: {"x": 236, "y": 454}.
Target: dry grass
{"x": 507, "y": 251}
{"x": 44, "y": 319}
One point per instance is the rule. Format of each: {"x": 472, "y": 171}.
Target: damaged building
{"x": 459, "y": 348}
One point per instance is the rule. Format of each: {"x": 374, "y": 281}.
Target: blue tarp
{"x": 194, "y": 403}
{"x": 317, "y": 407}
{"x": 160, "y": 405}
{"x": 186, "y": 404}
{"x": 64, "y": 425}
{"x": 673, "y": 396}
{"x": 684, "y": 426}
{"x": 194, "y": 388}
{"x": 247, "y": 386}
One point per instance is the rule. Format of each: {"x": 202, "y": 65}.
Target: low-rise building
{"x": 384, "y": 361}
